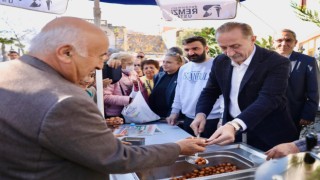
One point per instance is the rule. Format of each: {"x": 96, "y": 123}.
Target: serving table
{"x": 244, "y": 156}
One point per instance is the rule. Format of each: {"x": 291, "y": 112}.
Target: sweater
{"x": 192, "y": 78}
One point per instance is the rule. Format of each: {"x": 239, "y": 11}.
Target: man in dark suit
{"x": 253, "y": 82}
{"x": 303, "y": 91}
{"x": 51, "y": 128}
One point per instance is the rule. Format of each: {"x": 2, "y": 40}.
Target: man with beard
{"x": 192, "y": 78}
{"x": 253, "y": 81}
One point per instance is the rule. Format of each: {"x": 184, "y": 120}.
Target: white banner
{"x": 49, "y": 6}
{"x": 199, "y": 9}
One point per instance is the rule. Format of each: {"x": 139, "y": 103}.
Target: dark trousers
{"x": 209, "y": 129}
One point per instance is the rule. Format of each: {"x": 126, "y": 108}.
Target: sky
{"x": 265, "y": 16}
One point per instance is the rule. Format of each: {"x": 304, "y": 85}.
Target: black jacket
{"x": 169, "y": 93}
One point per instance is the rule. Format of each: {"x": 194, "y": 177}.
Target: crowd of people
{"x": 52, "y": 126}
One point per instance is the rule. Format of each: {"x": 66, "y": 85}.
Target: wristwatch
{"x": 236, "y": 125}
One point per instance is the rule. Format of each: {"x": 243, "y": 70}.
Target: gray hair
{"x": 177, "y": 55}
{"x": 122, "y": 56}
{"x": 48, "y": 40}
{"x": 229, "y": 26}
{"x": 290, "y": 31}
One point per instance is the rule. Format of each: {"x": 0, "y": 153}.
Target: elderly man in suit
{"x": 303, "y": 91}
{"x": 253, "y": 82}
{"x": 50, "y": 127}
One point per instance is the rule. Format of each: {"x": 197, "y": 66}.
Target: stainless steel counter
{"x": 169, "y": 134}
{"x": 247, "y": 157}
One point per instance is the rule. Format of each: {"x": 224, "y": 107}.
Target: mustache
{"x": 194, "y": 55}
{"x": 234, "y": 56}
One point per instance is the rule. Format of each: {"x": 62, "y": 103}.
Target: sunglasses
{"x": 140, "y": 57}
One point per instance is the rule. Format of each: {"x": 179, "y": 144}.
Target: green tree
{"x": 4, "y": 42}
{"x": 306, "y": 14}
{"x": 210, "y": 35}
{"x": 207, "y": 33}
{"x": 19, "y": 37}
{"x": 266, "y": 43}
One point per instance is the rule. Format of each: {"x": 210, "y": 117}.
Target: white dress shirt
{"x": 237, "y": 75}
{"x": 293, "y": 63}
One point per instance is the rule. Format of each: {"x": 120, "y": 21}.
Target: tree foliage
{"x": 207, "y": 33}
{"x": 19, "y": 37}
{"x": 306, "y": 14}
{"x": 266, "y": 43}
{"x": 5, "y": 41}
{"x": 210, "y": 35}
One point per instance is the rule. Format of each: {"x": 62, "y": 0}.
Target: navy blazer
{"x": 170, "y": 91}
{"x": 303, "y": 94}
{"x": 262, "y": 97}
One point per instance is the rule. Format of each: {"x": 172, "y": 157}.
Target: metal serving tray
{"x": 138, "y": 141}
{"x": 247, "y": 159}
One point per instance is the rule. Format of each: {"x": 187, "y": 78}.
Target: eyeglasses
{"x": 285, "y": 40}
{"x": 140, "y": 57}
{"x": 137, "y": 65}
